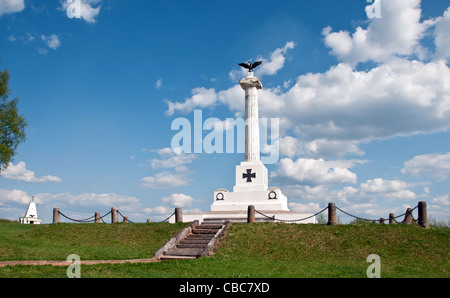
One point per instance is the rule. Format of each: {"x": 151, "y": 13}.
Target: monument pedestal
{"x": 251, "y": 188}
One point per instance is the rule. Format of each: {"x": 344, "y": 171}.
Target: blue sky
{"x": 364, "y": 104}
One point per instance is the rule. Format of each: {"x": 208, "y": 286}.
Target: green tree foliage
{"x": 12, "y": 125}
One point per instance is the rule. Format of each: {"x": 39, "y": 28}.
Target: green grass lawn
{"x": 256, "y": 250}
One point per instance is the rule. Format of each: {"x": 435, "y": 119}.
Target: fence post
{"x": 114, "y": 215}
{"x": 251, "y": 214}
{"x": 332, "y": 219}
{"x": 382, "y": 221}
{"x": 55, "y": 216}
{"x": 149, "y": 220}
{"x": 408, "y": 217}
{"x": 391, "y": 218}
{"x": 178, "y": 215}
{"x": 97, "y": 217}
{"x": 125, "y": 219}
{"x": 423, "y": 215}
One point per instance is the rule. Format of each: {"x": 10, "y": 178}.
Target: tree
{"x": 12, "y": 125}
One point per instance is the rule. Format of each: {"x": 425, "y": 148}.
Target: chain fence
{"x": 274, "y": 218}
{"x": 93, "y": 218}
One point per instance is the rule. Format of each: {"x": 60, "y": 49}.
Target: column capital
{"x": 250, "y": 82}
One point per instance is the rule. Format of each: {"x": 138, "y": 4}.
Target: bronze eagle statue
{"x": 250, "y": 66}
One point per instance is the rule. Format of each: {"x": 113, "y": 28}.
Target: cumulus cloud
{"x": 15, "y": 195}
{"x": 304, "y": 208}
{"x": 165, "y": 180}
{"x": 434, "y": 165}
{"x": 21, "y": 173}
{"x": 178, "y": 200}
{"x": 378, "y": 188}
{"x": 89, "y": 199}
{"x": 442, "y": 36}
{"x": 276, "y": 61}
{"x": 313, "y": 172}
{"x": 171, "y": 160}
{"x": 397, "y": 33}
{"x": 52, "y": 41}
{"x": 11, "y": 6}
{"x": 201, "y": 98}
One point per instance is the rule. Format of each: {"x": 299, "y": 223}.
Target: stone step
{"x": 217, "y": 226}
{"x": 204, "y": 231}
{"x": 166, "y": 258}
{"x": 191, "y": 245}
{"x": 195, "y": 241}
{"x": 189, "y": 252}
{"x": 200, "y": 236}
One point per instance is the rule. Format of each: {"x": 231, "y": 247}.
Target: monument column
{"x": 251, "y": 84}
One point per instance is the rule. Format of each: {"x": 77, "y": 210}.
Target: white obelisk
{"x": 31, "y": 216}
{"x": 251, "y": 85}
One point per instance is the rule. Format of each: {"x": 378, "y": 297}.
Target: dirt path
{"x": 65, "y": 263}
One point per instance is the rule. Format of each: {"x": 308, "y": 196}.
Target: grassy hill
{"x": 256, "y": 250}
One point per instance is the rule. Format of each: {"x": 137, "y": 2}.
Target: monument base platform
{"x": 241, "y": 217}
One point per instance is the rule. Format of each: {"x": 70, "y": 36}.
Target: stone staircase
{"x": 193, "y": 242}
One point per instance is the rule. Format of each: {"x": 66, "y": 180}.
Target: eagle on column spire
{"x": 250, "y": 66}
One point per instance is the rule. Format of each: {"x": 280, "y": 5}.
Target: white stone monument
{"x": 252, "y": 182}
{"x": 31, "y": 216}
{"x": 252, "y": 177}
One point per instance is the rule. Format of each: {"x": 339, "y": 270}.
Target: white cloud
{"x": 21, "y": 173}
{"x": 159, "y": 210}
{"x": 441, "y": 200}
{"x": 442, "y": 36}
{"x": 275, "y": 62}
{"x": 15, "y": 195}
{"x": 397, "y": 33}
{"x": 52, "y": 41}
{"x": 165, "y": 180}
{"x": 178, "y": 200}
{"x": 172, "y": 160}
{"x": 434, "y": 165}
{"x": 201, "y": 98}
{"x": 87, "y": 12}
{"x": 89, "y": 199}
{"x": 304, "y": 208}
{"x": 11, "y": 6}
{"x": 158, "y": 84}
{"x": 313, "y": 172}
{"x": 380, "y": 185}
{"x": 378, "y": 188}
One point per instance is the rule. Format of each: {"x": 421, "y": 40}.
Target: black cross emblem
{"x": 249, "y": 175}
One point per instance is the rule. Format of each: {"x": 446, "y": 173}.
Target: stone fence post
{"x": 251, "y": 214}
{"x": 332, "y": 219}
{"x": 423, "y": 215}
{"x": 408, "y": 217}
{"x": 178, "y": 215}
{"x": 114, "y": 215}
{"x": 55, "y": 216}
{"x": 97, "y": 217}
{"x": 391, "y": 218}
